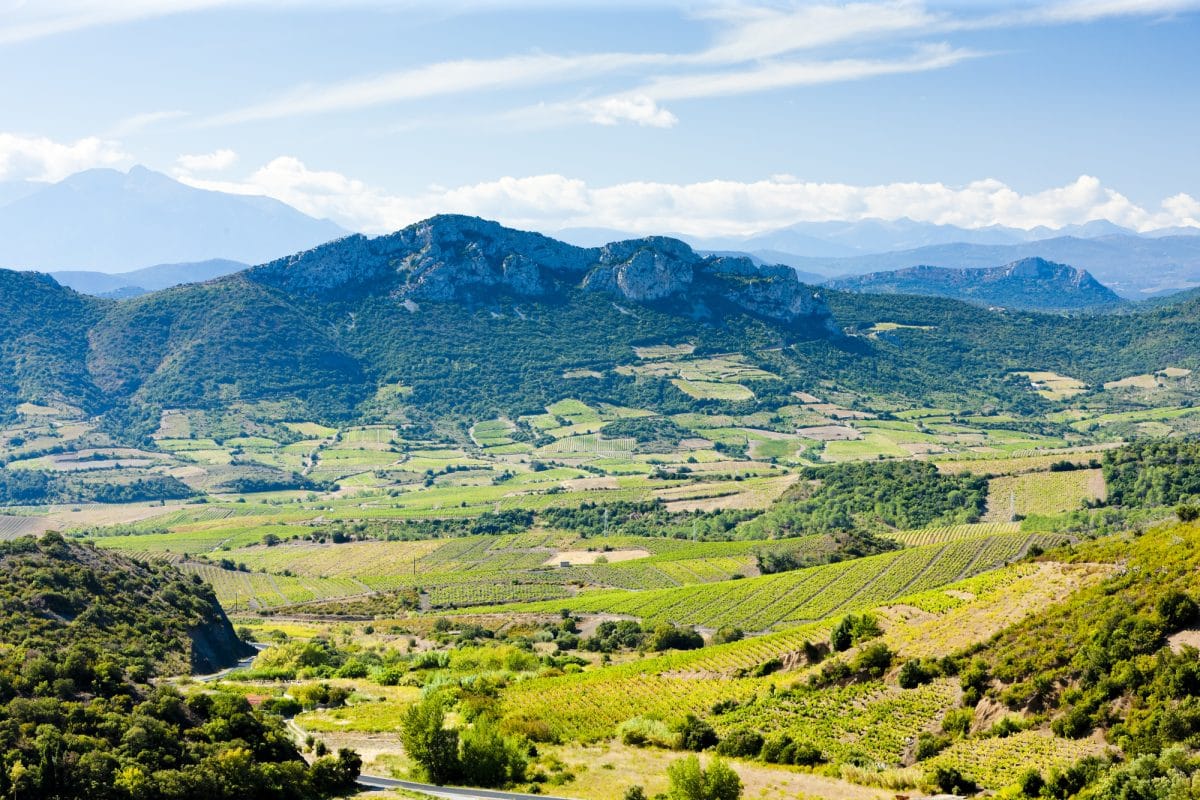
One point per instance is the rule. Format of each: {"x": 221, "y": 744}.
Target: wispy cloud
{"x": 444, "y": 78}
{"x": 140, "y": 122}
{"x": 751, "y": 32}
{"x": 754, "y": 47}
{"x": 37, "y": 20}
{"x": 550, "y": 202}
{"x": 37, "y": 158}
{"x": 785, "y": 74}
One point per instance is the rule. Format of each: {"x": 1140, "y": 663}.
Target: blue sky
{"x": 723, "y": 118}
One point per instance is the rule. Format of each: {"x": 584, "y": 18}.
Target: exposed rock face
{"x": 456, "y": 258}
{"x": 644, "y": 270}
{"x": 215, "y": 645}
{"x": 443, "y": 258}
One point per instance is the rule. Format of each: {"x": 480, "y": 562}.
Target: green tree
{"x": 489, "y": 759}
{"x": 690, "y": 781}
{"x": 427, "y": 741}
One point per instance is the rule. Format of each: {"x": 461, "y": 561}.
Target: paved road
{"x": 375, "y": 782}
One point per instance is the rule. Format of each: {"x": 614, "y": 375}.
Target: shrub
{"x": 853, "y": 629}
{"x": 489, "y": 759}
{"x": 690, "y": 781}
{"x": 873, "y": 660}
{"x": 643, "y": 731}
{"x": 741, "y": 743}
{"x": 1177, "y": 610}
{"x": 950, "y": 781}
{"x": 695, "y": 734}
{"x": 1031, "y": 783}
{"x": 917, "y": 672}
{"x": 726, "y": 634}
{"x": 930, "y": 744}
{"x": 668, "y": 637}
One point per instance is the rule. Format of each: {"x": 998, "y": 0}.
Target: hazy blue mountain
{"x": 11, "y": 191}
{"x": 861, "y": 237}
{"x": 111, "y": 221}
{"x": 1133, "y": 266}
{"x": 147, "y": 279}
{"x": 1030, "y": 284}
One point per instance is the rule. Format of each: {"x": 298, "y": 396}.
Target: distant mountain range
{"x": 1028, "y": 284}
{"x": 1135, "y": 265}
{"x": 117, "y": 285}
{"x": 107, "y": 221}
{"x": 112, "y": 221}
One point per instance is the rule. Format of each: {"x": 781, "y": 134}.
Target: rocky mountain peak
{"x": 457, "y": 258}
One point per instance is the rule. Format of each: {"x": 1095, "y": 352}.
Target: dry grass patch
{"x": 583, "y": 557}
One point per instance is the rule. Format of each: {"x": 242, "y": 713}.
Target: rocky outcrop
{"x": 215, "y": 645}
{"x": 465, "y": 259}
{"x": 643, "y": 270}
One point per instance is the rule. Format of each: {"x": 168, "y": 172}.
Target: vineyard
{"x": 813, "y": 593}
{"x": 952, "y": 533}
{"x": 870, "y": 722}
{"x": 999, "y": 762}
{"x": 1042, "y": 493}
{"x": 12, "y": 527}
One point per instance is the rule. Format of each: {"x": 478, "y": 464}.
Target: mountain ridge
{"x": 1028, "y": 284}
{"x": 118, "y": 285}
{"x": 453, "y": 257}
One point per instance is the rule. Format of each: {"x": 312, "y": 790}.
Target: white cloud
{"x": 140, "y": 122}
{"x": 37, "y": 158}
{"x": 709, "y": 208}
{"x": 216, "y": 161}
{"x": 638, "y": 109}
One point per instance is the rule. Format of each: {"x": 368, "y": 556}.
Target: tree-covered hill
{"x": 82, "y": 633}
{"x": 66, "y": 603}
{"x": 44, "y": 341}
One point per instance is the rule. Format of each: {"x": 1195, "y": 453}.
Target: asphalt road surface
{"x": 373, "y": 782}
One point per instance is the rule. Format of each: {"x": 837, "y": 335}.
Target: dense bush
{"x": 35, "y": 487}
{"x": 1153, "y": 472}
{"x": 875, "y": 496}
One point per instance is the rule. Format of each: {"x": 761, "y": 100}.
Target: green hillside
{"x": 83, "y": 634}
